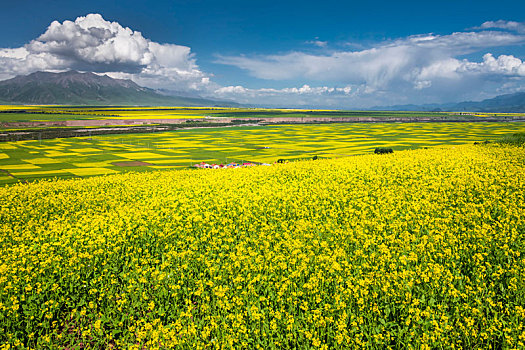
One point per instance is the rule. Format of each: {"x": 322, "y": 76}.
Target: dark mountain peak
{"x": 69, "y": 78}
{"x": 73, "y": 87}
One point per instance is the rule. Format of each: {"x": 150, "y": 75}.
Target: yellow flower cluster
{"x": 417, "y": 249}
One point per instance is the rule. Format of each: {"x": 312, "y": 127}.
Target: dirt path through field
{"x": 131, "y": 163}
{"x": 9, "y": 174}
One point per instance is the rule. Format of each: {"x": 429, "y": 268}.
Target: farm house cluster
{"x": 204, "y": 165}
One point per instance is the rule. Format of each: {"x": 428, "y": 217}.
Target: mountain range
{"x": 509, "y": 103}
{"x": 76, "y": 88}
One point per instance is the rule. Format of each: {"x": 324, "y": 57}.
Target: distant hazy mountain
{"x": 510, "y": 103}
{"x": 75, "y": 88}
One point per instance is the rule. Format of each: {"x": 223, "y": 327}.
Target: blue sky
{"x": 298, "y": 53}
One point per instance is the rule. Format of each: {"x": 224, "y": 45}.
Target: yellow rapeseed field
{"x": 417, "y": 249}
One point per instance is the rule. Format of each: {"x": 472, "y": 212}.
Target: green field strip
{"x": 92, "y": 164}
{"x": 125, "y": 169}
{"x": 160, "y": 167}
{"x": 39, "y": 173}
{"x": 172, "y": 160}
{"x": 91, "y": 171}
{"x": 142, "y": 155}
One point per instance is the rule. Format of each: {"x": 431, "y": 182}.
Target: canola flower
{"x": 418, "y": 249}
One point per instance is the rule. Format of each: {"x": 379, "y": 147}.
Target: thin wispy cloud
{"x": 419, "y": 64}
{"x": 398, "y": 60}
{"x": 318, "y": 43}
{"x": 501, "y": 24}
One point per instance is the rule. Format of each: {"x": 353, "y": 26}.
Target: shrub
{"x": 383, "y": 150}
{"x": 517, "y": 139}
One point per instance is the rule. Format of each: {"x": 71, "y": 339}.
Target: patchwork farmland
{"x": 111, "y": 154}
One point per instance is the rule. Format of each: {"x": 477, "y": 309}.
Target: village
{"x": 204, "y": 165}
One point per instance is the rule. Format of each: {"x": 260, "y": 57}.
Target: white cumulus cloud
{"x": 91, "y": 43}
{"x": 303, "y": 90}
{"x": 304, "y": 95}
{"x": 503, "y": 65}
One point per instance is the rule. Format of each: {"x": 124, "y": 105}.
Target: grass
{"x": 41, "y": 117}
{"x": 517, "y": 139}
